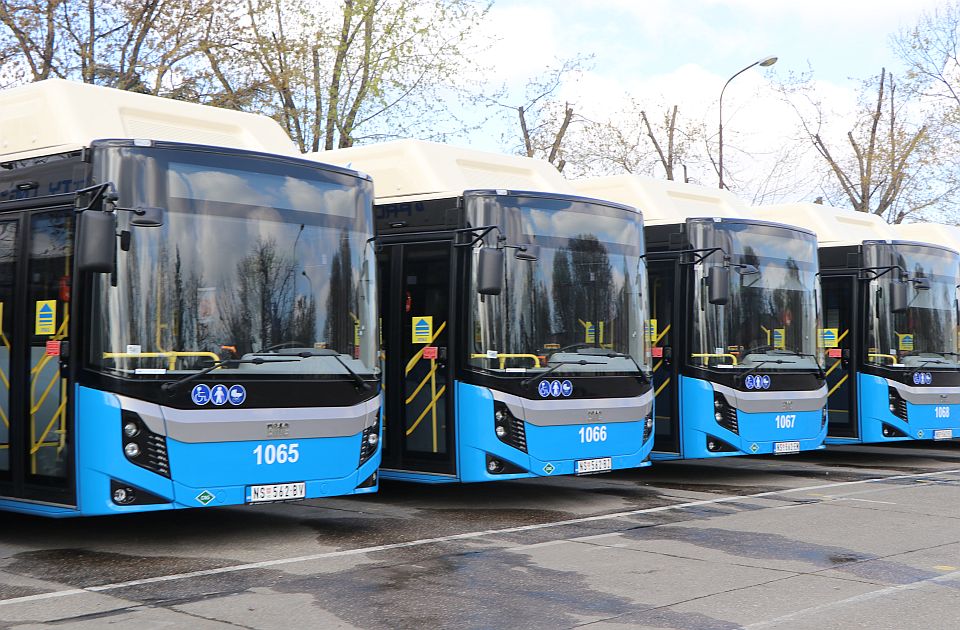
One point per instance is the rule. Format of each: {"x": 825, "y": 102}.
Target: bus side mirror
{"x": 718, "y": 285}
{"x": 147, "y": 217}
{"x": 529, "y": 252}
{"x": 490, "y": 271}
{"x": 96, "y": 241}
{"x": 898, "y": 296}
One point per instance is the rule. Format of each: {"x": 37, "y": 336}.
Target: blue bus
{"x": 183, "y": 325}
{"x": 890, "y": 326}
{"x": 512, "y": 320}
{"x": 734, "y": 319}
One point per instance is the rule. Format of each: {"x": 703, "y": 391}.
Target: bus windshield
{"x": 257, "y": 258}
{"x": 924, "y": 336}
{"x": 580, "y": 308}
{"x": 772, "y": 317}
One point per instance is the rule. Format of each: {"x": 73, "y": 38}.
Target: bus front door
{"x": 663, "y": 297}
{"x": 839, "y": 305}
{"x": 416, "y": 282}
{"x": 36, "y": 267}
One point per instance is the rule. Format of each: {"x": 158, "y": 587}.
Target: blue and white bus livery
{"x": 183, "y": 325}
{"x": 512, "y": 320}
{"x": 734, "y": 317}
{"x": 890, "y": 326}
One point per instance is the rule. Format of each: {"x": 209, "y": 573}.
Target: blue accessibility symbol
{"x": 543, "y": 389}
{"x": 566, "y": 388}
{"x": 237, "y": 394}
{"x": 749, "y": 382}
{"x": 200, "y": 394}
{"x": 765, "y": 381}
{"x": 555, "y": 389}
{"x": 218, "y": 395}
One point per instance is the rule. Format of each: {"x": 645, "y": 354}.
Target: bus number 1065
{"x": 277, "y": 453}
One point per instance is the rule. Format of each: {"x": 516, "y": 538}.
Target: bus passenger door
{"x": 663, "y": 292}
{"x": 36, "y": 269}
{"x": 418, "y": 378}
{"x": 838, "y": 337}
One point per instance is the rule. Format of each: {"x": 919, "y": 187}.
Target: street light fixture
{"x": 766, "y": 62}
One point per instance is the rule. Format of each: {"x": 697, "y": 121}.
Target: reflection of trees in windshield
{"x": 264, "y": 311}
{"x": 341, "y": 321}
{"x": 582, "y": 290}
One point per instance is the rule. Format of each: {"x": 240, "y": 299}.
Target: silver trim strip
{"x": 926, "y": 395}
{"x": 770, "y": 402}
{"x": 552, "y": 412}
{"x": 238, "y": 424}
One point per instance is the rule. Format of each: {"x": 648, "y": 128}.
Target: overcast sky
{"x": 682, "y": 51}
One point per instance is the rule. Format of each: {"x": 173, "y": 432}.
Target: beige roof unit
{"x": 416, "y": 169}
{"x": 833, "y": 226}
{"x": 935, "y": 233}
{"x": 663, "y": 201}
{"x": 55, "y": 115}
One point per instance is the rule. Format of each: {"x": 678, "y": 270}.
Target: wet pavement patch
{"x": 484, "y": 589}
{"x": 83, "y": 568}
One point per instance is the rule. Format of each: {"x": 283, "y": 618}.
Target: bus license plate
{"x": 943, "y": 434}
{"x": 783, "y": 448}
{"x": 590, "y": 466}
{"x": 277, "y": 492}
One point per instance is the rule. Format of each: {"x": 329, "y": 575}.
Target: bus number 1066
{"x": 593, "y": 434}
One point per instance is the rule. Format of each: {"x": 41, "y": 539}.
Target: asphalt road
{"x": 853, "y": 537}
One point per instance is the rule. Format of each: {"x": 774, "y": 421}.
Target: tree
{"x": 339, "y": 74}
{"x": 931, "y": 51}
{"x": 888, "y": 165}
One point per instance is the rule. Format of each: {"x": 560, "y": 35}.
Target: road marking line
{"x": 856, "y": 599}
{"x": 265, "y": 564}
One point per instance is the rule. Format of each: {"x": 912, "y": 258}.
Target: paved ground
{"x": 856, "y": 537}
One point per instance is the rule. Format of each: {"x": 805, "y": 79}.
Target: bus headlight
{"x": 132, "y": 450}
{"x": 370, "y": 439}
{"x": 508, "y": 428}
{"x": 131, "y": 430}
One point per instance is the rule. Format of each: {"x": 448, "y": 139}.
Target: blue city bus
{"x": 733, "y": 317}
{"x": 182, "y": 325}
{"x": 894, "y": 374}
{"x": 890, "y": 327}
{"x": 512, "y": 321}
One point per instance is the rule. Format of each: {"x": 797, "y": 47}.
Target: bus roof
{"x": 405, "y": 170}
{"x": 935, "y": 233}
{"x": 55, "y": 115}
{"x": 663, "y": 201}
{"x": 833, "y": 226}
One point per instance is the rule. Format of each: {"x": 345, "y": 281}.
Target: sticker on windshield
{"x": 218, "y": 395}
{"x": 780, "y": 338}
{"x": 830, "y": 337}
{"x": 589, "y": 332}
{"x": 757, "y": 382}
{"x": 905, "y": 341}
{"x": 543, "y": 389}
{"x": 922, "y": 378}
{"x": 237, "y": 394}
{"x": 555, "y": 389}
{"x": 566, "y": 388}
{"x": 422, "y": 329}
{"x": 200, "y": 394}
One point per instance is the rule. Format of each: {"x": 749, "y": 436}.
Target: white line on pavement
{"x": 265, "y": 564}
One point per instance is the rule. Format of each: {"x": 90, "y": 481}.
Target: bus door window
{"x": 836, "y": 336}
{"x": 49, "y": 268}
{"x": 660, "y": 332}
{"x": 8, "y": 270}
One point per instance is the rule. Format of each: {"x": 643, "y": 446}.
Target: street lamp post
{"x": 763, "y": 63}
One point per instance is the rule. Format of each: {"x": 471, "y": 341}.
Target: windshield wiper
{"x": 622, "y": 355}
{"x": 760, "y": 365}
{"x": 794, "y": 353}
{"x": 171, "y": 386}
{"x": 306, "y": 354}
{"x": 556, "y": 366}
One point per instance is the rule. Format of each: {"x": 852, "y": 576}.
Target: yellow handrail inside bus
{"x": 892, "y": 357}
{"x": 170, "y": 356}
{"x": 711, "y": 355}
{"x": 503, "y": 358}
